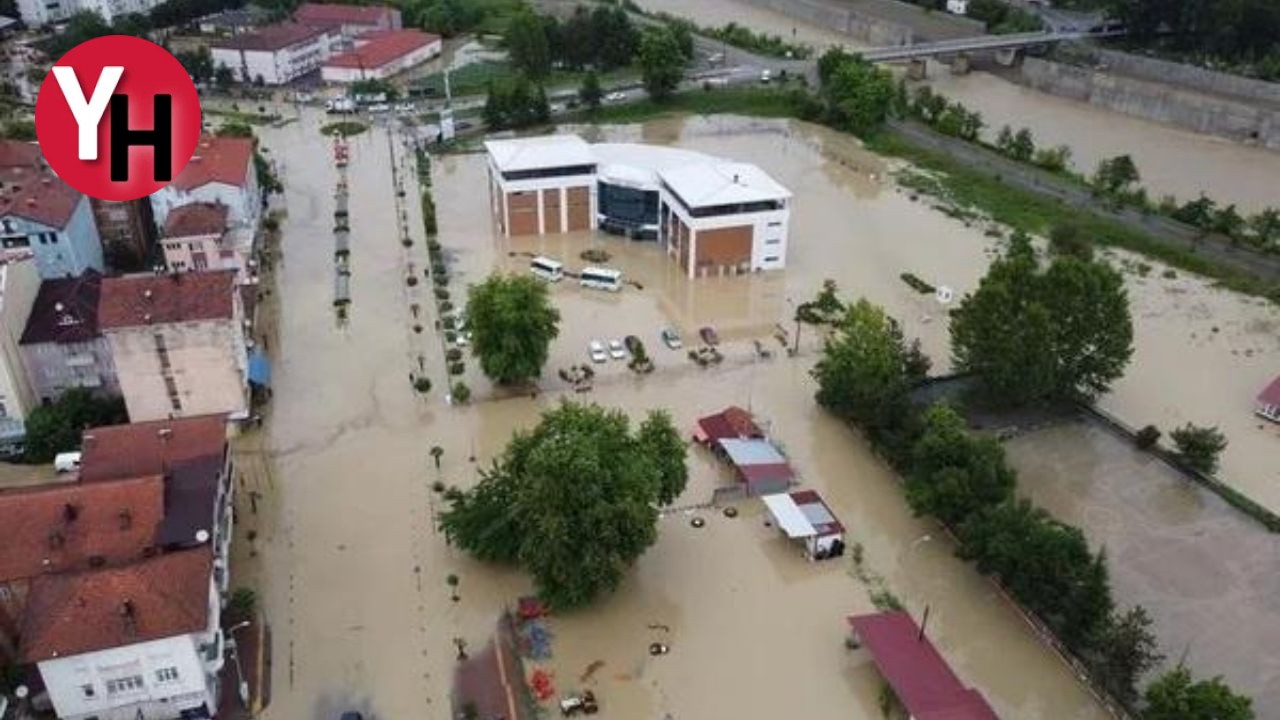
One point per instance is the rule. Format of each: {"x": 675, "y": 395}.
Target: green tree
{"x": 236, "y": 129}
{"x": 436, "y": 453}
{"x": 1266, "y": 227}
{"x": 223, "y": 77}
{"x": 1199, "y": 212}
{"x": 955, "y": 474}
{"x": 512, "y": 325}
{"x": 613, "y": 38}
{"x": 1068, "y": 240}
{"x": 1228, "y": 222}
{"x": 19, "y": 130}
{"x": 661, "y": 62}
{"x": 1054, "y": 159}
{"x": 1023, "y": 147}
{"x": 1199, "y": 447}
{"x": 858, "y": 95}
{"x": 574, "y": 501}
{"x": 661, "y": 442}
{"x": 526, "y": 41}
{"x": 1034, "y": 335}
{"x": 56, "y": 427}
{"x": 1124, "y": 651}
{"x": 197, "y": 63}
{"x": 1175, "y": 696}
{"x": 591, "y": 93}
{"x": 1116, "y": 176}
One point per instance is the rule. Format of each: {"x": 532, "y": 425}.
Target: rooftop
{"x": 196, "y": 219}
{"x": 217, "y": 159}
{"x": 65, "y": 310}
{"x": 751, "y": 452}
{"x": 545, "y": 151}
{"x": 30, "y": 190}
{"x": 732, "y": 422}
{"x": 149, "y": 299}
{"x": 158, "y": 597}
{"x": 918, "y": 673}
{"x": 1270, "y": 395}
{"x": 332, "y": 15}
{"x": 270, "y": 38}
{"x": 802, "y": 514}
{"x": 144, "y": 448}
{"x": 56, "y": 528}
{"x": 379, "y": 47}
{"x": 722, "y": 183}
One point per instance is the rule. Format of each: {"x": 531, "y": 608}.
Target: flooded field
{"x": 1209, "y": 576}
{"x": 1172, "y": 161}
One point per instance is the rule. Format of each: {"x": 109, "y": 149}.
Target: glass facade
{"x": 626, "y": 210}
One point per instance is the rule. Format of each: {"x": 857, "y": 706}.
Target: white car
{"x": 616, "y": 351}
{"x": 615, "y": 97}
{"x": 379, "y": 108}
{"x": 463, "y": 339}
{"x": 596, "y": 351}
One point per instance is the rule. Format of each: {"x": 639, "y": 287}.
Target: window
{"x": 773, "y": 241}
{"x": 124, "y": 684}
{"x": 771, "y": 258}
{"x": 87, "y": 690}
{"x": 168, "y": 674}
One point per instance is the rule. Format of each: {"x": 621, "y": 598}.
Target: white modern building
{"x": 197, "y": 239}
{"x": 379, "y": 54}
{"x": 42, "y": 215}
{"x": 36, "y": 13}
{"x": 275, "y": 54}
{"x": 713, "y": 216}
{"x": 222, "y": 172}
{"x": 178, "y": 342}
{"x": 19, "y": 286}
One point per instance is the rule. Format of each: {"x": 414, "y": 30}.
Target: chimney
{"x": 70, "y": 512}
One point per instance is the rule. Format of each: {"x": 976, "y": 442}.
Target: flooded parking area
{"x": 1208, "y": 575}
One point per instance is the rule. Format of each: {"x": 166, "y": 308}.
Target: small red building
{"x": 1268, "y": 402}
{"x": 803, "y": 515}
{"x": 731, "y": 423}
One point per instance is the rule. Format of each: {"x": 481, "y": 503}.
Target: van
{"x": 66, "y": 462}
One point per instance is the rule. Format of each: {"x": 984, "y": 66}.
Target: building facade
{"x": 62, "y": 346}
{"x": 178, "y": 342}
{"x": 197, "y": 240}
{"x": 127, "y": 231}
{"x": 36, "y": 13}
{"x": 348, "y": 20}
{"x": 713, "y": 216}
{"x": 41, "y": 214}
{"x": 379, "y": 54}
{"x": 275, "y": 54}
{"x": 19, "y": 285}
{"x": 220, "y": 172}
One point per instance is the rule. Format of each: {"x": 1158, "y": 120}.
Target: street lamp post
{"x": 243, "y": 687}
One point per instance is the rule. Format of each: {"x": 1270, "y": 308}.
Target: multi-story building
{"x": 348, "y": 20}
{"x": 379, "y": 54}
{"x": 178, "y": 342}
{"x": 276, "y": 54}
{"x": 196, "y": 239}
{"x": 42, "y": 214}
{"x": 713, "y": 216}
{"x": 62, "y": 346}
{"x": 19, "y": 286}
{"x": 222, "y": 172}
{"x": 128, "y": 233}
{"x": 36, "y": 13}
{"x": 112, "y": 585}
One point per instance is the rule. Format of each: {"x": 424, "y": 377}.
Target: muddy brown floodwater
{"x": 1208, "y": 575}
{"x": 352, "y": 570}
{"x": 1172, "y": 161}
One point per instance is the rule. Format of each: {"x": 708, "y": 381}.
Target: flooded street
{"x": 1209, "y": 576}
{"x": 1171, "y": 161}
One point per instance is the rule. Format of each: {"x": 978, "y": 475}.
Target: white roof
{"x": 636, "y": 165}
{"x": 722, "y": 183}
{"x": 543, "y": 151}
{"x": 788, "y": 516}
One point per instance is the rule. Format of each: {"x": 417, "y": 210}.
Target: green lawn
{"x": 471, "y": 79}
{"x": 756, "y": 102}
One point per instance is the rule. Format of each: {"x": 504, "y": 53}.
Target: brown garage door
{"x": 522, "y": 210}
{"x": 551, "y": 210}
{"x": 579, "y": 208}
{"x": 724, "y": 247}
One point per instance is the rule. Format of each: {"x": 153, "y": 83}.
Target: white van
{"x": 547, "y": 269}
{"x": 601, "y": 279}
{"x": 66, "y": 462}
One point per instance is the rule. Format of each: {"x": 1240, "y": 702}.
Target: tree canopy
{"x": 662, "y": 62}
{"x": 574, "y": 501}
{"x": 527, "y": 44}
{"x": 515, "y": 103}
{"x": 857, "y": 95}
{"x": 512, "y": 325}
{"x": 1176, "y": 696}
{"x": 56, "y": 427}
{"x": 1034, "y": 334}
{"x": 955, "y": 474}
{"x": 1199, "y": 447}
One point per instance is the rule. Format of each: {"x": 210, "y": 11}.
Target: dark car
{"x": 352, "y": 715}
{"x": 709, "y": 336}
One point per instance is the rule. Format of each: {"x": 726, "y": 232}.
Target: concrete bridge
{"x": 980, "y": 43}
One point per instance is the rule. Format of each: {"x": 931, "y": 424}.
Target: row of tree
{"x": 1242, "y": 32}
{"x": 515, "y": 102}
{"x": 603, "y": 38}
{"x": 854, "y": 95}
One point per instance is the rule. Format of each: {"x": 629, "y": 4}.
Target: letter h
{"x": 159, "y": 138}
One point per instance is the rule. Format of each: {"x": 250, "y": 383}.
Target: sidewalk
{"x": 253, "y": 646}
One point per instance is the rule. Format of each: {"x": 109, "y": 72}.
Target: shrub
{"x": 1147, "y": 437}
{"x": 445, "y": 306}
{"x": 1199, "y": 447}
{"x": 438, "y": 268}
{"x": 448, "y": 323}
{"x": 461, "y": 392}
{"x": 242, "y": 602}
{"x": 440, "y": 280}
{"x": 453, "y": 354}
{"x": 411, "y": 281}
{"x": 450, "y": 336}
{"x": 406, "y": 241}
{"x": 456, "y": 368}
{"x": 422, "y": 384}
{"x": 442, "y": 293}
{"x": 417, "y": 328}
{"x": 438, "y": 486}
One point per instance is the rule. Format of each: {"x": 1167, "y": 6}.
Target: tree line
{"x": 1033, "y": 332}
{"x": 1243, "y": 33}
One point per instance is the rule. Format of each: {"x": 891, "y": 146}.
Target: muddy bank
{"x": 1209, "y": 576}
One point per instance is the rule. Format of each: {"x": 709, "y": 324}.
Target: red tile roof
{"x": 1270, "y": 395}
{"x": 732, "y": 422}
{"x": 139, "y": 300}
{"x": 217, "y": 159}
{"x": 145, "y": 448}
{"x": 65, "y": 310}
{"x": 196, "y": 219}
{"x": 56, "y": 528}
{"x": 30, "y": 190}
{"x": 824, "y": 526}
{"x": 272, "y": 37}
{"x": 155, "y": 598}
{"x": 919, "y": 675}
{"x": 382, "y": 47}
{"x": 334, "y": 15}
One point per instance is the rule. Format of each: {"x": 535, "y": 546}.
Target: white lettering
{"x": 88, "y": 114}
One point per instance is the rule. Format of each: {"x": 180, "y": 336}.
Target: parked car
{"x": 66, "y": 462}
{"x": 574, "y": 704}
{"x": 379, "y": 108}
{"x": 463, "y": 339}
{"x": 462, "y": 125}
{"x": 596, "y": 350}
{"x": 766, "y": 76}
{"x": 616, "y": 351}
{"x": 615, "y": 97}
{"x": 671, "y": 338}
{"x": 709, "y": 336}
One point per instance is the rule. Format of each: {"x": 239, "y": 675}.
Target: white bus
{"x": 547, "y": 269}
{"x": 601, "y": 279}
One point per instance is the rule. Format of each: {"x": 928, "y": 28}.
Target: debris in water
{"x": 657, "y": 648}
{"x": 659, "y": 626}
{"x": 592, "y": 667}
{"x": 697, "y": 521}
{"x": 731, "y": 512}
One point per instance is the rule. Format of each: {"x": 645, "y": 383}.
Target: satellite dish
{"x": 202, "y": 536}
{"x": 21, "y": 692}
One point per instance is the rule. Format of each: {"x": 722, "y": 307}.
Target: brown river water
{"x": 1171, "y": 161}
{"x": 352, "y": 571}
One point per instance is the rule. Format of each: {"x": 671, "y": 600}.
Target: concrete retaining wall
{"x": 1216, "y": 114}
{"x": 840, "y": 19}
{"x": 1189, "y": 77}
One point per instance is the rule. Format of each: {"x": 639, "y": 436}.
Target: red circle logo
{"x": 118, "y": 117}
